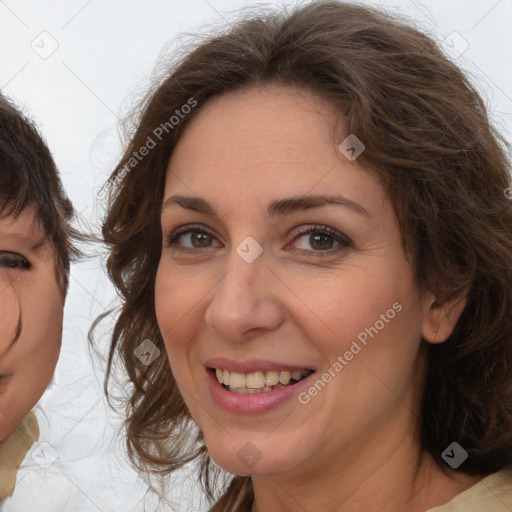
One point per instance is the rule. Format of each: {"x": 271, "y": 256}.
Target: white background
{"x": 104, "y": 54}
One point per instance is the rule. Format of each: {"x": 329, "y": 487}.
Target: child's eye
{"x": 13, "y": 260}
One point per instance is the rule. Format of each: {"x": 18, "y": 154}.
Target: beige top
{"x": 13, "y": 450}
{"x": 491, "y": 494}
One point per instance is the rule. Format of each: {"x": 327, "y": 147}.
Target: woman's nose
{"x": 245, "y": 301}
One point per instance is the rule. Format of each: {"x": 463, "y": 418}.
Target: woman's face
{"x": 31, "y": 303}
{"x": 263, "y": 278}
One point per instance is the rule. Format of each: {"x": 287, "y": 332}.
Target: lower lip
{"x": 252, "y": 403}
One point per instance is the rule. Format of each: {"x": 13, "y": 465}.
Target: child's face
{"x": 31, "y": 309}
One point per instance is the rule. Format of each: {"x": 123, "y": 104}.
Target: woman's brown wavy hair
{"x": 445, "y": 167}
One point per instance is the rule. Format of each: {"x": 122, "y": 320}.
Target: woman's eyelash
{"x": 197, "y": 228}
{"x": 338, "y": 237}
{"x": 321, "y": 230}
{"x": 13, "y": 260}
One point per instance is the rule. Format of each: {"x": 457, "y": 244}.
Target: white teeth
{"x": 285, "y": 377}
{"x": 296, "y": 374}
{"x": 248, "y": 391}
{"x": 238, "y": 380}
{"x": 271, "y": 378}
{"x": 256, "y": 382}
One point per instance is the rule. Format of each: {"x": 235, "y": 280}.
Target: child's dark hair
{"x": 29, "y": 177}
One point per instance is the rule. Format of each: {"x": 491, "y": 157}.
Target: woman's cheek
{"x": 178, "y": 300}
{"x": 350, "y": 305}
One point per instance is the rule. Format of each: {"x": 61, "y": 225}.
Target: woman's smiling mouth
{"x": 254, "y": 386}
{"x": 259, "y": 382}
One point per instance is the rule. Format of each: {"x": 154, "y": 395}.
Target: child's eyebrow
{"x": 26, "y": 236}
{"x": 39, "y": 243}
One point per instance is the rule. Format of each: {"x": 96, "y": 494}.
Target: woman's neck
{"x": 403, "y": 479}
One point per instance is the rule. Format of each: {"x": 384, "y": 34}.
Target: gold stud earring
{"x": 435, "y": 331}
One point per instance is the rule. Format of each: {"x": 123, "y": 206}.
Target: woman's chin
{"x": 246, "y": 459}
{"x": 243, "y": 466}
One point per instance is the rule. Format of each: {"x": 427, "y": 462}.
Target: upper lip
{"x": 252, "y": 365}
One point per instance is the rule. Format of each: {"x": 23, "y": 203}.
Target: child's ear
{"x": 440, "y": 319}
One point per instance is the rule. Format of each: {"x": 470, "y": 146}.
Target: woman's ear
{"x": 440, "y": 319}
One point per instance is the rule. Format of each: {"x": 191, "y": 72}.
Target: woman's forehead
{"x": 267, "y": 137}
{"x": 274, "y": 113}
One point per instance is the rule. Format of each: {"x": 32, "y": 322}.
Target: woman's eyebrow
{"x": 275, "y": 208}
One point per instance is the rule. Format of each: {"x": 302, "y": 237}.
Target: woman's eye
{"x": 321, "y": 240}
{"x": 192, "y": 238}
{"x": 13, "y": 260}
{"x": 313, "y": 240}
